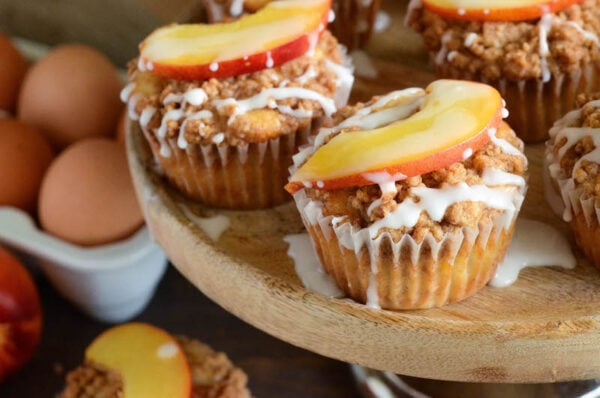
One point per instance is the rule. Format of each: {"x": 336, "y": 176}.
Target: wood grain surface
{"x": 544, "y": 328}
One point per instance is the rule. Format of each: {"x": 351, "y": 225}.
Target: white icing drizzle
{"x": 216, "y": 10}
{"x": 147, "y": 115}
{"x": 470, "y": 39}
{"x": 331, "y": 16}
{"x": 203, "y": 114}
{"x": 262, "y": 99}
{"x": 435, "y": 202}
{"x": 534, "y": 244}
{"x": 343, "y": 82}
{"x": 125, "y": 93}
{"x": 236, "y": 8}
{"x": 496, "y": 177}
{"x": 161, "y": 133}
{"x": 443, "y": 52}
{"x": 308, "y": 267}
{"x": 382, "y": 177}
{"x": 564, "y": 130}
{"x": 586, "y": 33}
{"x": 372, "y": 295}
{"x": 270, "y": 62}
{"x": 382, "y": 21}
{"x": 467, "y": 153}
{"x": 544, "y": 27}
{"x": 363, "y": 64}
{"x": 412, "y": 5}
{"x": 213, "y": 227}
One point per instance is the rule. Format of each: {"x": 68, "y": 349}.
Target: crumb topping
{"x": 217, "y": 117}
{"x": 213, "y": 376}
{"x": 513, "y": 50}
{"x": 366, "y": 205}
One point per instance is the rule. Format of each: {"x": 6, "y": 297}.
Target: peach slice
{"x": 279, "y": 32}
{"x": 496, "y": 10}
{"x": 149, "y": 360}
{"x": 453, "y": 122}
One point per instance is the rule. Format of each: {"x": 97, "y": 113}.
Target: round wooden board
{"x": 544, "y": 328}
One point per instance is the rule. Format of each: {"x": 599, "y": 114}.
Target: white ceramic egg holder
{"x": 111, "y": 283}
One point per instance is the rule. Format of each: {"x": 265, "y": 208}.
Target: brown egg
{"x": 70, "y": 94}
{"x": 87, "y": 195}
{"x": 13, "y": 67}
{"x": 25, "y": 155}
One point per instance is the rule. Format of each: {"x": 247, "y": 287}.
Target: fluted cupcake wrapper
{"x": 535, "y": 105}
{"x": 584, "y": 216}
{"x": 407, "y": 274}
{"x": 245, "y": 177}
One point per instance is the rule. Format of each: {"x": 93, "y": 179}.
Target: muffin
{"x": 352, "y": 26}
{"x": 421, "y": 236}
{"x": 227, "y": 141}
{"x": 538, "y": 63}
{"x": 212, "y": 374}
{"x": 573, "y": 161}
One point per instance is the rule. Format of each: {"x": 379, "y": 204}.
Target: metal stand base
{"x": 376, "y": 384}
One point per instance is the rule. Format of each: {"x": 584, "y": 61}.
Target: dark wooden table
{"x": 275, "y": 368}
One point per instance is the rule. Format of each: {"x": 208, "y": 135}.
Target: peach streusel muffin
{"x": 573, "y": 158}
{"x": 423, "y": 209}
{"x": 210, "y": 374}
{"x": 352, "y": 24}
{"x": 224, "y": 120}
{"x": 539, "y": 54}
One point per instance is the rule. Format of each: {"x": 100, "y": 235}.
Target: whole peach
{"x": 20, "y": 315}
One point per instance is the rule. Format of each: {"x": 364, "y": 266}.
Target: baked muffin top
{"x": 485, "y": 183}
{"x": 213, "y": 375}
{"x": 249, "y": 108}
{"x": 561, "y": 42}
{"x": 573, "y": 152}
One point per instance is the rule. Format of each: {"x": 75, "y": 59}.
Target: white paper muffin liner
{"x": 233, "y": 177}
{"x": 407, "y": 274}
{"x": 535, "y": 105}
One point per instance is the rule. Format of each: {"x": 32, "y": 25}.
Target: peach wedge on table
{"x": 149, "y": 360}
{"x": 455, "y": 119}
{"x": 279, "y": 32}
{"x": 496, "y": 10}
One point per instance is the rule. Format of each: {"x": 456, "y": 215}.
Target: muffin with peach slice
{"x": 225, "y": 106}
{"x": 538, "y": 53}
{"x": 411, "y": 198}
{"x": 140, "y": 360}
{"x": 573, "y": 165}
{"x": 352, "y": 21}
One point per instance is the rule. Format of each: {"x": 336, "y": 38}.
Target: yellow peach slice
{"x": 149, "y": 360}
{"x": 496, "y": 10}
{"x": 281, "y": 31}
{"x": 453, "y": 121}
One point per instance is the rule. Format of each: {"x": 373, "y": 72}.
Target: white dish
{"x": 111, "y": 283}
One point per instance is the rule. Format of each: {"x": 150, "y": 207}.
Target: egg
{"x": 13, "y": 67}
{"x": 87, "y": 195}
{"x": 70, "y": 94}
{"x": 25, "y": 154}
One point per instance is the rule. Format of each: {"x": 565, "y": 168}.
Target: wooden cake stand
{"x": 544, "y": 328}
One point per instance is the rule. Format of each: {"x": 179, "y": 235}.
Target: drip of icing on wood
{"x": 363, "y": 66}
{"x": 534, "y": 244}
{"x": 308, "y": 267}
{"x": 213, "y": 227}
